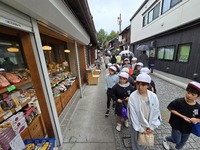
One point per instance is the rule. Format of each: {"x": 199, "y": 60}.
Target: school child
{"x": 107, "y": 69}
{"x": 185, "y": 112}
{"x": 130, "y": 79}
{"x": 152, "y": 84}
{"x": 126, "y": 63}
{"x": 133, "y": 62}
{"x": 111, "y": 79}
{"x": 143, "y": 110}
{"x": 137, "y": 69}
{"x": 121, "y": 92}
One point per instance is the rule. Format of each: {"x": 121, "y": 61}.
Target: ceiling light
{"x": 13, "y": 49}
{"x": 67, "y": 51}
{"x": 46, "y": 48}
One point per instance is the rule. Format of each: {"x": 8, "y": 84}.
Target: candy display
{"x": 43, "y": 144}
{"x": 3, "y": 81}
{"x": 12, "y": 78}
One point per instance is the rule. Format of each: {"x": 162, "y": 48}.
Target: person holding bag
{"x": 185, "y": 117}
{"x": 143, "y": 112}
{"x": 121, "y": 92}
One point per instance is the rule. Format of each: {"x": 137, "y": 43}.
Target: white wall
{"x": 55, "y": 14}
{"x": 184, "y": 12}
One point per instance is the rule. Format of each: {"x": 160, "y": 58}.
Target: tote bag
{"x": 145, "y": 139}
{"x": 196, "y": 129}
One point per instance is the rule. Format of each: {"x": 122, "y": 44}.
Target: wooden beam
{"x": 32, "y": 65}
{"x": 51, "y": 33}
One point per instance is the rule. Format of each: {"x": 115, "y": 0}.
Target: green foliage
{"x": 103, "y": 37}
{"x": 112, "y": 35}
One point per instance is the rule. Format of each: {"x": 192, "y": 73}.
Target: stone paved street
{"x": 84, "y": 126}
{"x": 166, "y": 93}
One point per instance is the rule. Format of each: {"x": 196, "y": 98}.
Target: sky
{"x": 106, "y": 12}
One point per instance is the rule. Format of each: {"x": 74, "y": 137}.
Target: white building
{"x": 170, "y": 28}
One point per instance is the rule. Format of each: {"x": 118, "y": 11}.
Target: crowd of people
{"x": 132, "y": 92}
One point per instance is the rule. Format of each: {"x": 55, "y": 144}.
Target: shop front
{"x": 23, "y": 105}
{"x": 42, "y": 65}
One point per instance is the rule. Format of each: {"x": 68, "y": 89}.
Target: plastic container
{"x": 42, "y": 141}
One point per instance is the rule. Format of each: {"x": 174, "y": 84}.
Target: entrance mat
{"x": 126, "y": 142}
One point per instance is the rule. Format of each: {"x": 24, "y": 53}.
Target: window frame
{"x": 163, "y": 59}
{"x": 170, "y": 7}
{"x": 177, "y": 56}
{"x": 153, "y": 15}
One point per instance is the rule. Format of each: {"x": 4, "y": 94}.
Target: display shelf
{"x": 9, "y": 113}
{"x": 3, "y": 90}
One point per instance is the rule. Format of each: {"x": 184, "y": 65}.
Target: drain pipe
{"x": 79, "y": 71}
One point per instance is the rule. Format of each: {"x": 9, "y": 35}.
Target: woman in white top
{"x": 143, "y": 107}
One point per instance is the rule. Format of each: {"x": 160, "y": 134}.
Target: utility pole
{"x": 119, "y": 19}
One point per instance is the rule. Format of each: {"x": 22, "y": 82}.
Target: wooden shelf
{"x": 3, "y": 90}
{"x": 13, "y": 110}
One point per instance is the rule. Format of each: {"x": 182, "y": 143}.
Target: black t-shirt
{"x": 191, "y": 111}
{"x": 121, "y": 92}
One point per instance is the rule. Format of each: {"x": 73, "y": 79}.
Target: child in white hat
{"x": 185, "y": 112}
{"x": 130, "y": 79}
{"x": 137, "y": 69}
{"x": 107, "y": 69}
{"x": 111, "y": 79}
{"x": 143, "y": 107}
{"x": 133, "y": 62}
{"x": 152, "y": 84}
{"x": 126, "y": 63}
{"x": 121, "y": 93}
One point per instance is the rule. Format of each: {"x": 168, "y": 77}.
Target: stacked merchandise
{"x": 15, "y": 99}
{"x": 8, "y": 78}
{"x": 7, "y": 134}
{"x": 61, "y": 82}
{"x": 18, "y": 122}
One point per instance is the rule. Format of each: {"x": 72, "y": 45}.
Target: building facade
{"x": 170, "y": 28}
{"x": 27, "y": 27}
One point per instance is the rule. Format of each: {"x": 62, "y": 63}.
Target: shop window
{"x": 160, "y": 53}
{"x": 183, "y": 53}
{"x": 152, "y": 15}
{"x": 168, "y": 4}
{"x": 11, "y": 57}
{"x": 166, "y": 53}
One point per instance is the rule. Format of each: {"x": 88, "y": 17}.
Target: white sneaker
{"x": 118, "y": 127}
{"x": 165, "y": 144}
{"x": 126, "y": 123}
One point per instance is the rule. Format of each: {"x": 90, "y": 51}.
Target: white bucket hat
{"x": 134, "y": 58}
{"x": 143, "y": 78}
{"x": 140, "y": 64}
{"x": 125, "y": 70}
{"x": 113, "y": 68}
{"x": 109, "y": 64}
{"x": 145, "y": 70}
{"x": 124, "y": 75}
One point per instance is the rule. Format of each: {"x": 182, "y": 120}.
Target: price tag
{"x": 11, "y": 88}
{"x": 7, "y": 115}
{"x": 18, "y": 108}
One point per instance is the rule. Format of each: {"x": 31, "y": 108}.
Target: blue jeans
{"x": 178, "y": 138}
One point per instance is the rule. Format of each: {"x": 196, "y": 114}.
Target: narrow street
{"x": 88, "y": 129}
